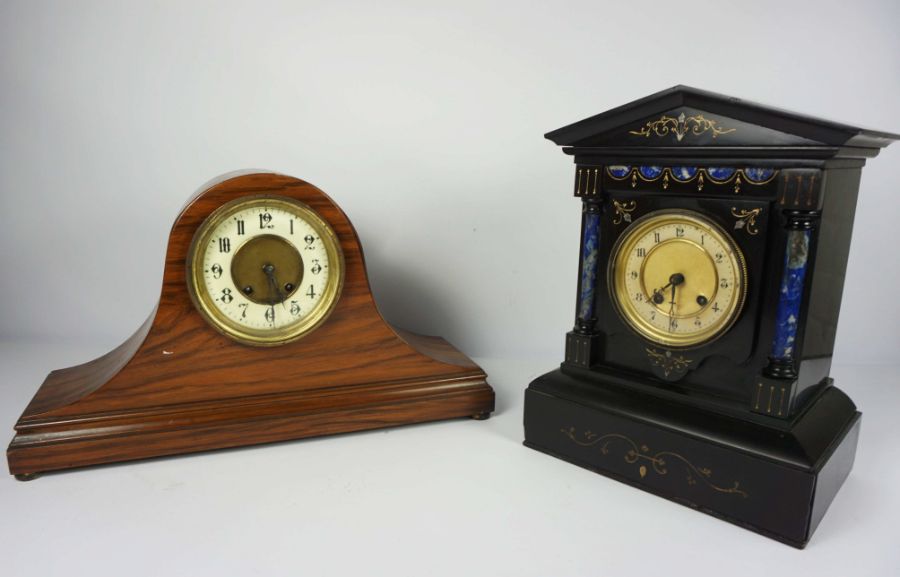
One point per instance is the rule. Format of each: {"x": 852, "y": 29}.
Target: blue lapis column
{"x": 590, "y": 260}
{"x": 782, "y": 357}
{"x": 581, "y": 342}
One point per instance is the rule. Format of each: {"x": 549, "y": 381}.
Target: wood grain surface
{"x": 177, "y": 385}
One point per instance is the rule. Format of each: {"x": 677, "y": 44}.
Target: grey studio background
{"x": 425, "y": 123}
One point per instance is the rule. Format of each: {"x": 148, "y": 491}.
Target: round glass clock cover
{"x": 677, "y": 279}
{"x": 265, "y": 270}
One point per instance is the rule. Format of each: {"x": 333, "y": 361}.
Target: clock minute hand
{"x": 674, "y": 280}
{"x": 273, "y": 284}
{"x": 672, "y": 310}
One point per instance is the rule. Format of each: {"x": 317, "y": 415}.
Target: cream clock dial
{"x": 265, "y": 270}
{"x": 677, "y": 279}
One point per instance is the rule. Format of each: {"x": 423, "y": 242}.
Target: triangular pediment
{"x": 683, "y": 116}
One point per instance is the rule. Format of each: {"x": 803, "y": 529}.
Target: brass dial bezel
{"x": 626, "y": 308}
{"x": 274, "y": 336}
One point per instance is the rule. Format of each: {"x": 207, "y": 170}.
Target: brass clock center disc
{"x": 689, "y": 259}
{"x": 272, "y": 253}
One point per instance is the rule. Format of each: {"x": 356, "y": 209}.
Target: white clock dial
{"x": 265, "y": 270}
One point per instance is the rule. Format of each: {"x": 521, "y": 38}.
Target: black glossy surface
{"x": 776, "y": 483}
{"x": 779, "y": 425}
{"x": 801, "y": 444}
{"x": 762, "y": 125}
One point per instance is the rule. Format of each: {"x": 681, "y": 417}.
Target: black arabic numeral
{"x": 311, "y": 292}
{"x": 224, "y": 244}
{"x": 265, "y": 220}
{"x": 226, "y": 296}
{"x": 316, "y": 267}
{"x": 723, "y": 283}
{"x": 309, "y": 240}
{"x": 679, "y": 232}
{"x": 216, "y": 270}
{"x": 243, "y": 307}
{"x": 240, "y": 227}
{"x": 295, "y": 308}
{"x": 641, "y": 252}
{"x": 270, "y": 314}
{"x": 715, "y": 306}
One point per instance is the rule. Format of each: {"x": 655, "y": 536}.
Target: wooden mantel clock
{"x": 715, "y": 236}
{"x": 266, "y": 330}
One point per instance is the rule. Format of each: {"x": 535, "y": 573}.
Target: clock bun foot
{"x": 27, "y": 476}
{"x": 481, "y": 416}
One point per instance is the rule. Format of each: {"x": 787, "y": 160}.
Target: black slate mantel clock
{"x": 715, "y": 237}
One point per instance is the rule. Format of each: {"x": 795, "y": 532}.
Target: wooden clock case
{"x": 748, "y": 427}
{"x": 179, "y": 386}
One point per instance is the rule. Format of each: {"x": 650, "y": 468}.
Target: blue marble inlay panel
{"x": 618, "y": 171}
{"x": 791, "y": 297}
{"x": 590, "y": 257}
{"x": 683, "y": 173}
{"x": 720, "y": 173}
{"x": 759, "y": 174}
{"x": 650, "y": 172}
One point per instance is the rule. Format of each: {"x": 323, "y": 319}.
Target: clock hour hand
{"x": 658, "y": 297}
{"x": 675, "y": 279}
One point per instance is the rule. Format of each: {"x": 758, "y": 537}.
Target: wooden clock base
{"x": 776, "y": 482}
{"x": 179, "y": 386}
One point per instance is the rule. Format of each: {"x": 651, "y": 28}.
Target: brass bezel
{"x": 618, "y": 293}
{"x": 265, "y": 337}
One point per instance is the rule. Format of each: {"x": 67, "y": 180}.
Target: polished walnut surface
{"x": 177, "y": 385}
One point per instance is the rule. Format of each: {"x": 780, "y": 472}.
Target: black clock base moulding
{"x": 776, "y": 482}
{"x": 727, "y": 409}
